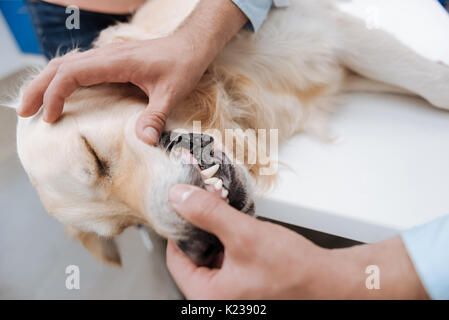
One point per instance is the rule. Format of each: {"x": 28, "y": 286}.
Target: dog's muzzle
{"x": 203, "y": 247}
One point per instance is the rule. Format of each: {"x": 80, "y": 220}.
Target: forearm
{"x": 211, "y": 26}
{"x": 397, "y": 276}
{"x": 103, "y": 6}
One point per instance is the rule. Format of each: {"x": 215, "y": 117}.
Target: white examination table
{"x": 388, "y": 169}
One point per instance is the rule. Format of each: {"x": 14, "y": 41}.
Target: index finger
{"x": 71, "y": 76}
{"x": 33, "y": 95}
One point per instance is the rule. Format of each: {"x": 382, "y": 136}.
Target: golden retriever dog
{"x": 97, "y": 178}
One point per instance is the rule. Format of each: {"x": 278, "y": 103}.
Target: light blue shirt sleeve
{"x": 428, "y": 248}
{"x": 255, "y": 10}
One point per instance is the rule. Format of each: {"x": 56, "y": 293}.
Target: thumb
{"x": 151, "y": 122}
{"x": 208, "y": 212}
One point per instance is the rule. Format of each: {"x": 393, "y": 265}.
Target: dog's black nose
{"x": 201, "y": 247}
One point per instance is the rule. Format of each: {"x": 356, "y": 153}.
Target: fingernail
{"x": 180, "y": 193}
{"x": 151, "y": 134}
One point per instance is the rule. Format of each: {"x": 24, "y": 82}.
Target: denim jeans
{"x": 49, "y": 22}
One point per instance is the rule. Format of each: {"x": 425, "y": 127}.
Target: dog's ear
{"x": 103, "y": 248}
{"x": 12, "y": 98}
{"x": 13, "y": 91}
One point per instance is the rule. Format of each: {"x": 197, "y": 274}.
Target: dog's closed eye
{"x": 101, "y": 165}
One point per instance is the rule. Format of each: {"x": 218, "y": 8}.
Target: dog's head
{"x": 95, "y": 176}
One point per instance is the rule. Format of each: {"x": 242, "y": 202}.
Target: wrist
{"x": 324, "y": 276}
{"x": 316, "y": 276}
{"x": 210, "y": 26}
{"x": 196, "y": 51}
{"x": 377, "y": 271}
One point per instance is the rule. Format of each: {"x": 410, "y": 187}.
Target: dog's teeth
{"x": 224, "y": 193}
{"x": 218, "y": 185}
{"x": 211, "y": 181}
{"x": 210, "y": 172}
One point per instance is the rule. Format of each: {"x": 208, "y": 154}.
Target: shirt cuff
{"x": 255, "y": 10}
{"x": 428, "y": 248}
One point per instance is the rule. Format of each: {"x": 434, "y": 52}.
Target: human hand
{"x": 261, "y": 260}
{"x": 155, "y": 66}
{"x": 266, "y": 261}
{"x": 166, "y": 69}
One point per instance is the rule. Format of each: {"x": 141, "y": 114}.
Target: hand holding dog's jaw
{"x": 261, "y": 260}
{"x": 152, "y": 65}
{"x": 265, "y": 261}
